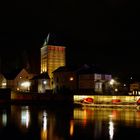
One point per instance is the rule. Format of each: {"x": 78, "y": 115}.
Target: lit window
{"x": 71, "y": 78}
{"x": 4, "y": 84}
{"x": 25, "y": 84}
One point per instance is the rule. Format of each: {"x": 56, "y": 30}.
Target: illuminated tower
{"x": 52, "y": 57}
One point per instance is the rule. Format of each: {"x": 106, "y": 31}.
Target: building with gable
{"x": 18, "y": 80}
{"x": 86, "y": 78}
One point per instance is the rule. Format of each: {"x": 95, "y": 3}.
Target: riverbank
{"x": 49, "y": 98}
{"x": 41, "y": 98}
{"x": 121, "y": 105}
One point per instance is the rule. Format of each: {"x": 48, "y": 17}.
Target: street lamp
{"x": 112, "y": 81}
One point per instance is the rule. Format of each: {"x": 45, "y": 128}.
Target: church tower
{"x": 52, "y": 57}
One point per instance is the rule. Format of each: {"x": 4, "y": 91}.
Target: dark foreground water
{"x": 46, "y": 123}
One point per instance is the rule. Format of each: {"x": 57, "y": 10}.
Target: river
{"x": 41, "y": 122}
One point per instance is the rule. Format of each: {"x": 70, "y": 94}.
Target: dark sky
{"x": 99, "y": 32}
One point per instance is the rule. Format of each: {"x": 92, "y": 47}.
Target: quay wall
{"x": 10, "y": 96}
{"x": 21, "y": 97}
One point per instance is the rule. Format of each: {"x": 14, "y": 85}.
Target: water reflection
{"x": 111, "y": 129}
{"x": 25, "y": 116}
{"x": 128, "y": 116}
{"x": 71, "y": 127}
{"x": 43, "y": 123}
{"x": 103, "y": 121}
{"x": 44, "y": 126}
{"x": 3, "y": 118}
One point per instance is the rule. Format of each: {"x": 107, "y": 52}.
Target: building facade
{"x": 52, "y": 57}
{"x": 64, "y": 79}
{"x": 81, "y": 79}
{"x": 40, "y": 83}
{"x": 17, "y": 80}
{"x": 93, "y": 81}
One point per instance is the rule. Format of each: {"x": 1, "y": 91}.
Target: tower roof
{"x": 54, "y": 39}
{"x": 47, "y": 40}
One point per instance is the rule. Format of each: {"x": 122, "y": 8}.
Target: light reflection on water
{"x": 105, "y": 122}
{"x": 128, "y": 116}
{"x": 43, "y": 123}
{"x": 3, "y": 118}
{"x": 111, "y": 129}
{"x": 25, "y": 116}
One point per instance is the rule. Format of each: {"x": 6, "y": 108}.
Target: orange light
{"x": 71, "y": 127}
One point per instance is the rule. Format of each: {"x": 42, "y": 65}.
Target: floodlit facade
{"x": 52, "y": 57}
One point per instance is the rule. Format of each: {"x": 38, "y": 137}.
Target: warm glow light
{"x": 71, "y": 127}
{"x": 112, "y": 81}
{"x": 4, "y": 84}
{"x": 71, "y": 78}
{"x": 25, "y": 84}
{"x": 116, "y": 89}
{"x": 84, "y": 117}
{"x": 43, "y": 135}
{"x": 44, "y": 129}
{"x": 45, "y": 82}
{"x": 52, "y": 58}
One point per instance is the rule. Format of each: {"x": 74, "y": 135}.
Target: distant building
{"x": 86, "y": 78}
{"x": 52, "y": 57}
{"x": 134, "y": 88}
{"x": 16, "y": 80}
{"x": 65, "y": 77}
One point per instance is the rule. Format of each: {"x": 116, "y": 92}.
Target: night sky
{"x": 99, "y": 32}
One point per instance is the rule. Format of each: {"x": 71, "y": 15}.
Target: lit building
{"x": 83, "y": 79}
{"x": 16, "y": 80}
{"x": 52, "y": 57}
